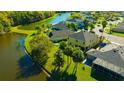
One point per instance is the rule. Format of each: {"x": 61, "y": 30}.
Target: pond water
{"x": 14, "y": 63}
{"x": 60, "y": 18}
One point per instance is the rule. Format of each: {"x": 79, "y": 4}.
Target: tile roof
{"x": 110, "y": 57}
{"x": 83, "y": 35}
{"x": 61, "y": 34}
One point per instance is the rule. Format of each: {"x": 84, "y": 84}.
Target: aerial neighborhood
{"x": 69, "y": 46}
{"x": 105, "y": 57}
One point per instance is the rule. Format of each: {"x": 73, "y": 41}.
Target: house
{"x": 108, "y": 61}
{"x": 119, "y": 28}
{"x": 60, "y": 26}
{"x": 84, "y": 39}
{"x": 60, "y": 35}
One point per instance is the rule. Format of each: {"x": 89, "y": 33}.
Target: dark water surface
{"x": 14, "y": 63}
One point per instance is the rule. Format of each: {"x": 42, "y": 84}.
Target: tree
{"x": 48, "y": 25}
{"x": 39, "y": 55}
{"x": 91, "y": 25}
{"x": 86, "y": 24}
{"x": 76, "y": 15}
{"x": 78, "y": 55}
{"x": 26, "y": 17}
{"x": 111, "y": 26}
{"x": 1, "y": 27}
{"x": 74, "y": 26}
{"x": 104, "y": 23}
{"x": 62, "y": 45}
{"x": 69, "y": 25}
{"x": 59, "y": 62}
{"x": 41, "y": 40}
{"x": 50, "y": 34}
{"x": 68, "y": 51}
{"x": 38, "y": 28}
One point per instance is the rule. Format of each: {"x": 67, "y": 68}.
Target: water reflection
{"x": 14, "y": 63}
{"x": 27, "y": 68}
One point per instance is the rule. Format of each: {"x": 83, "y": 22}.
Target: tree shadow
{"x": 58, "y": 75}
{"x": 100, "y": 77}
{"x": 27, "y": 68}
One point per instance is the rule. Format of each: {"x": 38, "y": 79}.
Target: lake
{"x": 60, "y": 18}
{"x": 14, "y": 63}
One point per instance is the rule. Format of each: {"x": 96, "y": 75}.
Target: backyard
{"x": 67, "y": 72}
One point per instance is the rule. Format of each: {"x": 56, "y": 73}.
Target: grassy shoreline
{"x": 30, "y": 28}
{"x": 32, "y": 25}
{"x": 16, "y": 30}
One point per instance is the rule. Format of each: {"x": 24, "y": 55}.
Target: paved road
{"x": 113, "y": 39}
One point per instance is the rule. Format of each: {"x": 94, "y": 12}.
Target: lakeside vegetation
{"x": 22, "y": 31}
{"x": 33, "y": 25}
{"x": 14, "y": 18}
{"x": 31, "y": 28}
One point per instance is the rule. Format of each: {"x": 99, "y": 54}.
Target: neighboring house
{"x": 109, "y": 61}
{"x": 60, "y": 26}
{"x": 60, "y": 35}
{"x": 84, "y": 39}
{"x": 119, "y": 28}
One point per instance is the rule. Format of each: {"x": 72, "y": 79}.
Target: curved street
{"x": 113, "y": 39}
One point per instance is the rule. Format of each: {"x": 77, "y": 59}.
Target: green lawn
{"x": 30, "y": 28}
{"x": 33, "y": 25}
{"x": 118, "y": 34}
{"x": 22, "y": 31}
{"x": 69, "y": 72}
{"x": 26, "y": 43}
{"x": 80, "y": 73}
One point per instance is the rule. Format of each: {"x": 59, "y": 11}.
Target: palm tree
{"x": 38, "y": 28}
{"x": 68, "y": 51}
{"x": 104, "y": 23}
{"x": 59, "y": 62}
